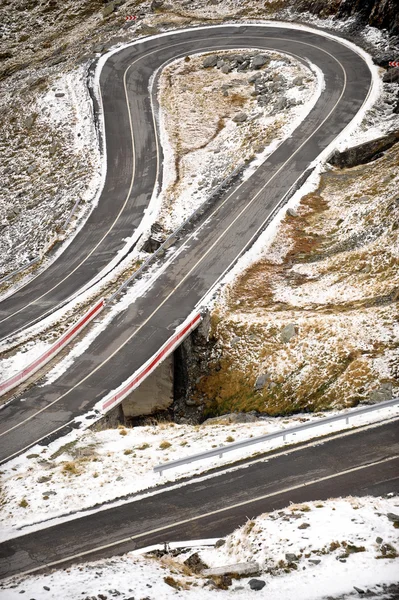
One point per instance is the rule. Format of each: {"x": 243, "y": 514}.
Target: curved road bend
{"x": 125, "y": 195}
{"x": 132, "y": 167}
{"x": 138, "y": 332}
{"x": 358, "y": 463}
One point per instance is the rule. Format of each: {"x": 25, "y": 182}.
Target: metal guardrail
{"x": 271, "y": 436}
{"x": 26, "y": 266}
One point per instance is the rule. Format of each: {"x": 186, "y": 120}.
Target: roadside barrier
{"x": 23, "y": 268}
{"x": 39, "y": 362}
{"x": 138, "y": 377}
{"x": 272, "y": 436}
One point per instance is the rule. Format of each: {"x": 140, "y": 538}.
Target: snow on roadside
{"x": 202, "y": 144}
{"x": 304, "y": 97}
{"x": 341, "y": 547}
{"x": 40, "y": 193}
{"x": 87, "y": 467}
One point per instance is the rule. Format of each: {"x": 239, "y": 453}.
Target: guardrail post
{"x": 284, "y": 436}
{"x": 221, "y": 455}
{"x": 347, "y": 420}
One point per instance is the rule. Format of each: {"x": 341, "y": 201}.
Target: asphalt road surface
{"x": 357, "y": 463}
{"x": 138, "y": 332}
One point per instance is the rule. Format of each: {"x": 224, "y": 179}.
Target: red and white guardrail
{"x": 54, "y": 349}
{"x": 138, "y": 377}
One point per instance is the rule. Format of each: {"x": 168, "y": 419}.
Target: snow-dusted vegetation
{"x": 340, "y": 549}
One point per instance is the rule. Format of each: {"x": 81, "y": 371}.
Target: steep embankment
{"x": 314, "y": 322}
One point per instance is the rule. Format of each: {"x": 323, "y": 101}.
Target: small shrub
{"x": 172, "y": 582}
{"x": 230, "y": 439}
{"x": 24, "y": 503}
{"x": 127, "y": 452}
{"x": 143, "y": 446}
{"x": 165, "y": 445}
{"x": 70, "y": 468}
{"x": 304, "y": 508}
{"x": 183, "y": 443}
{"x": 334, "y": 546}
{"x": 122, "y": 431}
{"x": 95, "y": 475}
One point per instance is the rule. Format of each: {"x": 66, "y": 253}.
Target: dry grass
{"x": 333, "y": 271}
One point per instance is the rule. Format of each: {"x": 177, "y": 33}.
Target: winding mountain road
{"x": 139, "y": 331}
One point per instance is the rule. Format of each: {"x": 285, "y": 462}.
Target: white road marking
{"x": 243, "y": 210}
{"x": 205, "y": 515}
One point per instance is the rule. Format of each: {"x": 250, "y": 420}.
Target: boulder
{"x": 254, "y": 77}
{"x": 291, "y": 558}
{"x": 261, "y": 381}
{"x": 391, "y": 76}
{"x": 155, "y": 4}
{"x": 222, "y": 542}
{"x": 393, "y": 517}
{"x": 298, "y": 81}
{"x": 240, "y": 117}
{"x": 291, "y": 212}
{"x": 364, "y": 153}
{"x": 256, "y": 584}
{"x": 288, "y": 332}
{"x": 249, "y": 417}
{"x": 259, "y": 61}
{"x": 241, "y": 569}
{"x": 210, "y": 61}
{"x": 384, "y": 392}
{"x": 195, "y": 563}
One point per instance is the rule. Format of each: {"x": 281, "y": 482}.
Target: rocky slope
{"x": 314, "y": 322}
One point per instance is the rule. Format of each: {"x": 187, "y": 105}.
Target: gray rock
{"x": 291, "y": 212}
{"x": 254, "y": 77}
{"x": 261, "y": 381}
{"x": 256, "y": 584}
{"x": 243, "y": 66}
{"x": 220, "y": 543}
{"x": 59, "y": 94}
{"x": 226, "y": 69}
{"x": 379, "y": 540}
{"x": 156, "y": 4}
{"x": 31, "y": 169}
{"x": 298, "y": 81}
{"x": 232, "y": 418}
{"x": 384, "y": 392}
{"x": 288, "y": 333}
{"x": 108, "y": 9}
{"x": 195, "y": 563}
{"x": 391, "y": 76}
{"x": 304, "y": 526}
{"x": 43, "y": 479}
{"x": 210, "y": 61}
{"x": 280, "y": 104}
{"x": 314, "y": 561}
{"x": 29, "y": 122}
{"x": 259, "y": 61}
{"x": 240, "y": 117}
{"x": 239, "y": 569}
{"x": 392, "y": 517}
{"x": 359, "y": 590}
{"x": 364, "y": 153}
{"x": 290, "y": 558}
